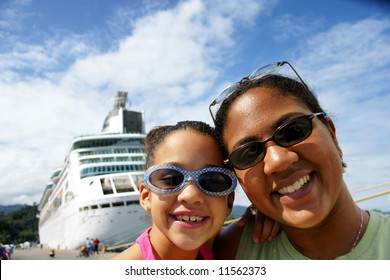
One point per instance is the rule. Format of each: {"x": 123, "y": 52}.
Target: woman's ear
{"x": 332, "y": 130}
{"x": 144, "y": 197}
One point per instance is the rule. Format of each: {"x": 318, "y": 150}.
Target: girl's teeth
{"x": 189, "y": 218}
{"x": 296, "y": 186}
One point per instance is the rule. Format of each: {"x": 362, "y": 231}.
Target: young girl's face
{"x": 189, "y": 217}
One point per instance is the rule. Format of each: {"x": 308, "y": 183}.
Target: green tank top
{"x": 374, "y": 245}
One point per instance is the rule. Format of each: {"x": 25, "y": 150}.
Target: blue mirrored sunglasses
{"x": 168, "y": 179}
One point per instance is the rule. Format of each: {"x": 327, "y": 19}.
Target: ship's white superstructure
{"x": 95, "y": 194}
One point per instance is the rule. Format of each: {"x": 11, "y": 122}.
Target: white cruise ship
{"x": 95, "y": 194}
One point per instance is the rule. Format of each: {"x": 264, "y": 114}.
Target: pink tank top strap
{"x": 147, "y": 251}
{"x": 206, "y": 252}
{"x": 146, "y": 247}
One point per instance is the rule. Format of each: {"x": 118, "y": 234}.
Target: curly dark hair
{"x": 158, "y": 134}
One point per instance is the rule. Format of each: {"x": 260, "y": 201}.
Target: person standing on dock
{"x": 96, "y": 242}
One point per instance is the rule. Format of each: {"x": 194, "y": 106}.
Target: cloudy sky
{"x": 62, "y": 62}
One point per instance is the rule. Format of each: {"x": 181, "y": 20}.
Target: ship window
{"x": 94, "y": 207}
{"x": 105, "y": 142}
{"x": 106, "y": 186}
{"x": 93, "y": 171}
{"x": 117, "y": 204}
{"x": 132, "y": 202}
{"x": 122, "y": 184}
{"x": 137, "y": 158}
{"x": 85, "y": 208}
{"x": 105, "y": 205}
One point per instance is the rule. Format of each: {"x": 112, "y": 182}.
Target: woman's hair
{"x": 286, "y": 87}
{"x": 158, "y": 134}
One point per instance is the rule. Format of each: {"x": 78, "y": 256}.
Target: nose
{"x": 191, "y": 193}
{"x": 278, "y": 158}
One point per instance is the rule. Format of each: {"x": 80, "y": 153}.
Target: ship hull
{"x": 113, "y": 226}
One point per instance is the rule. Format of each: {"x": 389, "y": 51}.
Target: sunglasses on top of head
{"x": 286, "y": 135}
{"x": 168, "y": 179}
{"x": 259, "y": 73}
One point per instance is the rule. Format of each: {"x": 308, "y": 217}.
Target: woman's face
{"x": 297, "y": 185}
{"x": 189, "y": 217}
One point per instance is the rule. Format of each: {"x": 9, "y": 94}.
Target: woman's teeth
{"x": 186, "y": 218}
{"x": 296, "y": 186}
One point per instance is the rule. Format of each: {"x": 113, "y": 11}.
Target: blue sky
{"x": 62, "y": 62}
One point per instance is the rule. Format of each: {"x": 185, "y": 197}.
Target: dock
{"x": 34, "y": 253}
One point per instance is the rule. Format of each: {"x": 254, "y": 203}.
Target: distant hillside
{"x": 6, "y": 209}
{"x": 19, "y": 225}
{"x": 384, "y": 212}
{"x": 237, "y": 212}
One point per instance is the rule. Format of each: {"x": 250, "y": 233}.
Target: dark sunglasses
{"x": 167, "y": 179}
{"x": 286, "y": 135}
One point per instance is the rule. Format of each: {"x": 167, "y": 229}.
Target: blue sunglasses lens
{"x": 210, "y": 181}
{"x": 166, "y": 178}
{"x": 213, "y": 181}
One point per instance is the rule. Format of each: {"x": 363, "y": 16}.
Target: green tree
{"x": 19, "y": 226}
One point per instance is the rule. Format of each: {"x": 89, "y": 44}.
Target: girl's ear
{"x": 230, "y": 201}
{"x": 144, "y": 197}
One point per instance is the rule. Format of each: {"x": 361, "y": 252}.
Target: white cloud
{"x": 56, "y": 90}
{"x": 12, "y": 14}
{"x": 349, "y": 67}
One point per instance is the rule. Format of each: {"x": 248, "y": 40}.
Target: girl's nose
{"x": 191, "y": 193}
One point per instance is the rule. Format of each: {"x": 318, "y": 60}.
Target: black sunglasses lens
{"x": 247, "y": 155}
{"x": 166, "y": 178}
{"x": 214, "y": 181}
{"x": 294, "y": 131}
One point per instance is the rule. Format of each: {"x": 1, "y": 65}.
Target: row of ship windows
{"x": 113, "y": 151}
{"x": 100, "y": 170}
{"x": 111, "y": 159}
{"x": 82, "y": 144}
{"x": 108, "y": 205}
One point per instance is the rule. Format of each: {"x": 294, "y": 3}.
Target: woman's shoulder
{"x": 380, "y": 216}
